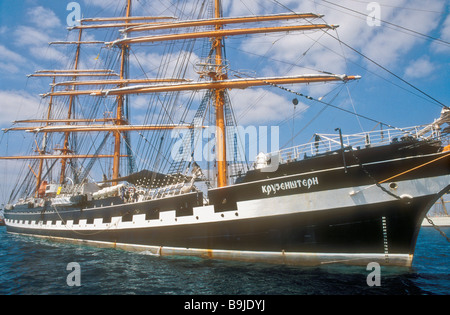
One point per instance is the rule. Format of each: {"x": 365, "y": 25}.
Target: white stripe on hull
{"x": 283, "y": 205}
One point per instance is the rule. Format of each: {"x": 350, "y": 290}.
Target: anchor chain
{"x": 378, "y": 184}
{"x": 373, "y": 178}
{"x": 437, "y": 228}
{"x": 396, "y": 196}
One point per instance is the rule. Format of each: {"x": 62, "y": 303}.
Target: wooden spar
{"x": 69, "y": 74}
{"x": 56, "y": 156}
{"x": 49, "y": 121}
{"x": 119, "y": 81}
{"x": 34, "y": 173}
{"x": 218, "y": 33}
{"x": 219, "y": 80}
{"x": 93, "y": 42}
{"x": 219, "y": 102}
{"x": 224, "y": 84}
{"x": 74, "y": 71}
{"x": 97, "y": 128}
{"x": 120, "y": 103}
{"x": 129, "y": 18}
{"x": 220, "y": 21}
{"x": 111, "y": 25}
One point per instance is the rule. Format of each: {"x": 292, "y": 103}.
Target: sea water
{"x": 34, "y": 266}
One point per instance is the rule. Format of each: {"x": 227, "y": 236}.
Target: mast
{"x": 221, "y": 155}
{"x": 121, "y": 86}
{"x": 65, "y": 149}
{"x": 42, "y": 151}
{"x": 120, "y": 103}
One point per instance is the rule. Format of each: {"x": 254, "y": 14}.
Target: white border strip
{"x": 266, "y": 207}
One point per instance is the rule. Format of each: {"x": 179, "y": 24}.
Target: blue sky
{"x": 27, "y": 26}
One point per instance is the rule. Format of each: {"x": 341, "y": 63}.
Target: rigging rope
{"x": 373, "y": 61}
{"x": 334, "y": 106}
{"x": 392, "y": 24}
{"x": 388, "y": 71}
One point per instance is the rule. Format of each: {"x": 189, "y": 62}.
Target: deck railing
{"x": 324, "y": 143}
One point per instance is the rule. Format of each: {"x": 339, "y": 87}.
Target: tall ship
{"x": 96, "y": 177}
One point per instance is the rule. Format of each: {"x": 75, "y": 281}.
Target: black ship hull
{"x": 306, "y": 213}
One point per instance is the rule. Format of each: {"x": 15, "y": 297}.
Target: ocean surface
{"x": 32, "y": 266}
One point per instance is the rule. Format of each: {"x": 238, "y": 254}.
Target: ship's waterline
{"x": 279, "y": 258}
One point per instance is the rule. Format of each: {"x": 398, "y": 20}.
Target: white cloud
{"x": 37, "y": 42}
{"x": 15, "y": 104}
{"x": 258, "y": 106}
{"x": 30, "y": 36}
{"x": 10, "y": 60}
{"x": 389, "y": 46}
{"x": 49, "y": 53}
{"x": 420, "y": 68}
{"x": 389, "y": 43}
{"x": 8, "y": 67}
{"x": 7, "y": 54}
{"x": 42, "y": 26}
{"x": 385, "y": 44}
{"x": 42, "y": 17}
{"x": 104, "y": 4}
{"x": 445, "y": 36}
{"x": 240, "y": 8}
{"x": 445, "y": 31}
{"x": 139, "y": 102}
{"x": 157, "y": 65}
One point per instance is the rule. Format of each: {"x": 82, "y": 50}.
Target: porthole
{"x": 393, "y": 185}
